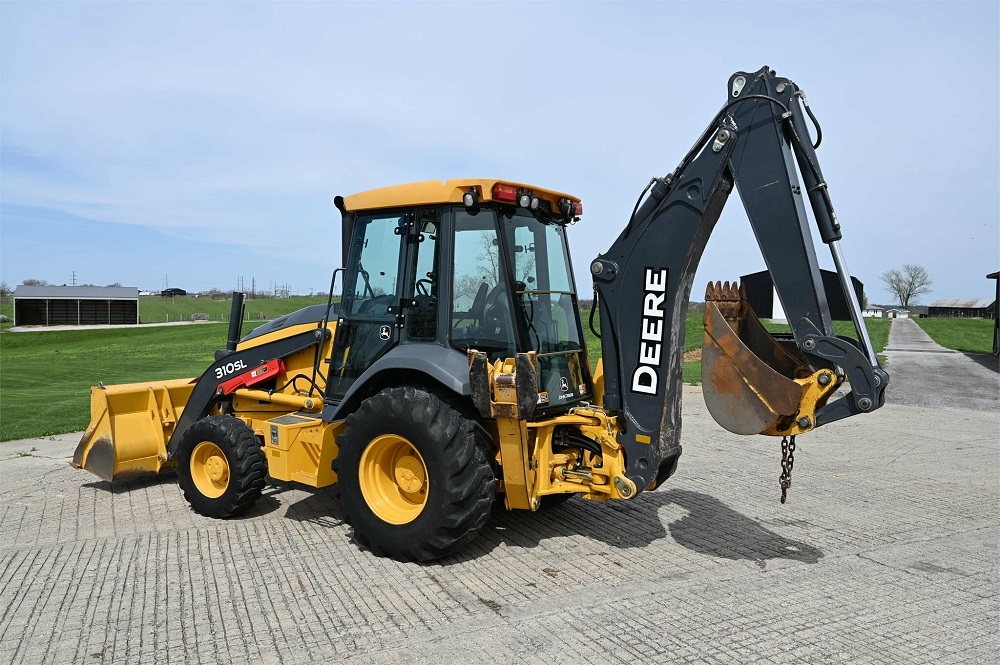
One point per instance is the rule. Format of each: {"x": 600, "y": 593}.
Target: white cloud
{"x": 236, "y": 124}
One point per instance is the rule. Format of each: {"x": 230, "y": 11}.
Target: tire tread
{"x": 471, "y": 487}
{"x": 247, "y": 466}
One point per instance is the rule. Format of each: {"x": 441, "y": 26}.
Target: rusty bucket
{"x": 748, "y": 376}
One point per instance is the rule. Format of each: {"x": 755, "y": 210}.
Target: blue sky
{"x": 201, "y": 142}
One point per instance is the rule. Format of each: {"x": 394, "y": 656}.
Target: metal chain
{"x": 787, "y": 462}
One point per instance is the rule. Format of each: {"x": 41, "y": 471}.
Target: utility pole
{"x": 74, "y": 278}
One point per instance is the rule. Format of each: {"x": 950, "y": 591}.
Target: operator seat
{"x": 478, "y": 308}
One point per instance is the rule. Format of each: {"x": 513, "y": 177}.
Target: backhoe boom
{"x": 643, "y": 285}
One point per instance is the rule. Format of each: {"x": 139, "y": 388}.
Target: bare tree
{"x": 35, "y": 282}
{"x": 907, "y": 284}
{"x": 468, "y": 285}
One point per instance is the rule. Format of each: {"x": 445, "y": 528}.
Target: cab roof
{"x": 430, "y": 192}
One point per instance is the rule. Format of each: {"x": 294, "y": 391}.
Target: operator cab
{"x": 467, "y": 265}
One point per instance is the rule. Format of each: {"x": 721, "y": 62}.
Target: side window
{"x": 373, "y": 289}
{"x": 480, "y": 307}
{"x": 559, "y": 271}
{"x": 421, "y": 319}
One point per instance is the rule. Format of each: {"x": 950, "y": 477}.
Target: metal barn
{"x": 764, "y": 302}
{"x": 963, "y": 308}
{"x": 75, "y": 305}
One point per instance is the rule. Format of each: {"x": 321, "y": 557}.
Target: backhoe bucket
{"x": 130, "y": 425}
{"x": 747, "y": 374}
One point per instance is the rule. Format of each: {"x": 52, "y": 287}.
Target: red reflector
{"x": 502, "y": 192}
{"x": 578, "y": 208}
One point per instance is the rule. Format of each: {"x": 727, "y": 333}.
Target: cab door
{"x": 367, "y": 327}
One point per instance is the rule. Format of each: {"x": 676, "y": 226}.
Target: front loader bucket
{"x": 130, "y": 425}
{"x": 747, "y": 375}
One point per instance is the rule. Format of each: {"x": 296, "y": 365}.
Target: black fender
{"x": 407, "y": 363}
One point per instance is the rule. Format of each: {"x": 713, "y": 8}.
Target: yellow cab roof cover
{"x": 431, "y": 192}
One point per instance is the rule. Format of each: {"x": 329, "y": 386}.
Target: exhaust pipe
{"x": 235, "y": 321}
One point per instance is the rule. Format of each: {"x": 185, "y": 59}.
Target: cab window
{"x": 480, "y": 304}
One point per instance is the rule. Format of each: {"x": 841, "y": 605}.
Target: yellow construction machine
{"x": 453, "y": 370}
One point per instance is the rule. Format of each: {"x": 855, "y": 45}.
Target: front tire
{"x": 221, "y": 466}
{"x": 412, "y": 477}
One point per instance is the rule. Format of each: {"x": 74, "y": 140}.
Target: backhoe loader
{"x": 453, "y": 373}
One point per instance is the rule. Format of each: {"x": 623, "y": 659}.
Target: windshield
{"x": 546, "y": 301}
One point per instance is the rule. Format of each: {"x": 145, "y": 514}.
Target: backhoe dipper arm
{"x": 643, "y": 282}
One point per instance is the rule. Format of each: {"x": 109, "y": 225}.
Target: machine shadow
{"x": 709, "y": 527}
{"x": 267, "y": 503}
{"x": 713, "y": 528}
{"x": 321, "y": 507}
{"x": 987, "y": 360}
{"x": 132, "y": 484}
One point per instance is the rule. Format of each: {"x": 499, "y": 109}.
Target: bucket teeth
{"x": 727, "y": 296}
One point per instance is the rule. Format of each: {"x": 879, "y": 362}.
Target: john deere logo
{"x": 564, "y": 384}
{"x": 384, "y": 332}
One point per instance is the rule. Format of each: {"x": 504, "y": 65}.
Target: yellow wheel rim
{"x": 209, "y": 469}
{"x": 393, "y": 479}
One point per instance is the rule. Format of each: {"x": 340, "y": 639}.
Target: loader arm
{"x": 643, "y": 285}
{"x": 210, "y": 387}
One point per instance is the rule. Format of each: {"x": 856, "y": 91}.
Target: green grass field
{"x": 968, "y": 335}
{"x": 154, "y": 309}
{"x": 45, "y": 377}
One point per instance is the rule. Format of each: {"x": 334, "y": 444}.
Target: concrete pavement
{"x": 885, "y": 553}
{"x": 924, "y": 373}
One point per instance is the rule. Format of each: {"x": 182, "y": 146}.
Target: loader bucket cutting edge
{"x": 130, "y": 425}
{"x": 745, "y": 393}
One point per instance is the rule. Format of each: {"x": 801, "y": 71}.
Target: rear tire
{"x": 221, "y": 466}
{"x": 412, "y": 476}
